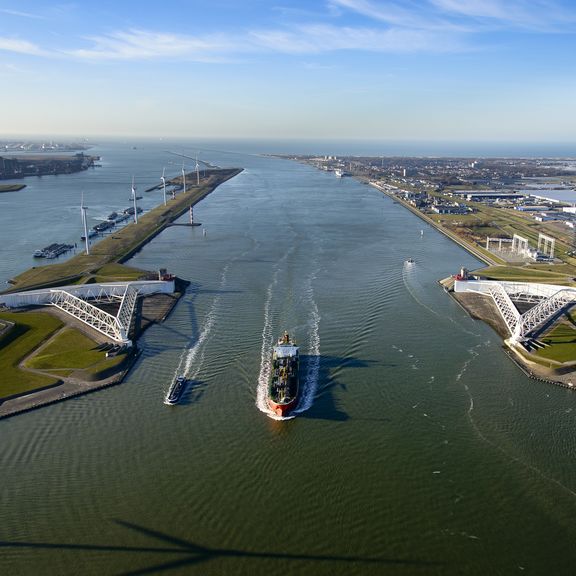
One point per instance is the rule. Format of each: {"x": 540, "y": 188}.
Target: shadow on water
{"x": 193, "y": 392}
{"x": 189, "y": 553}
{"x": 192, "y": 333}
{"x": 326, "y": 405}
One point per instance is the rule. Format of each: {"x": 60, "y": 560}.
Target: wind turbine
{"x": 83, "y": 214}
{"x": 134, "y": 200}
{"x": 163, "y": 184}
{"x": 183, "y": 178}
{"x": 197, "y": 172}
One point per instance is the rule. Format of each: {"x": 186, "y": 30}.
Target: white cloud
{"x": 147, "y": 45}
{"x": 537, "y": 15}
{"x": 324, "y": 38}
{"x": 21, "y": 14}
{"x": 399, "y": 15}
{"x": 464, "y": 15}
{"x": 19, "y": 46}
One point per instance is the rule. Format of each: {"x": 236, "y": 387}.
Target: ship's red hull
{"x": 282, "y": 409}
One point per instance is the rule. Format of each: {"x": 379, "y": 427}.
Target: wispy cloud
{"x": 20, "y": 46}
{"x": 385, "y": 26}
{"x": 316, "y": 39}
{"x": 149, "y": 45}
{"x": 405, "y": 15}
{"x": 465, "y": 15}
{"x": 20, "y": 14}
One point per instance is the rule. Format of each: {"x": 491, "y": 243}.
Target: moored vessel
{"x": 284, "y": 380}
{"x": 175, "y": 391}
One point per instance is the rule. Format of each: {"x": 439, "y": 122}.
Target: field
{"x": 30, "y": 331}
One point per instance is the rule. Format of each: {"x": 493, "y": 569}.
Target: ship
{"x": 175, "y": 391}
{"x": 283, "y": 387}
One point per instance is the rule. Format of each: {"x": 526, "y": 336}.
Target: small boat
{"x": 283, "y": 388}
{"x": 175, "y": 391}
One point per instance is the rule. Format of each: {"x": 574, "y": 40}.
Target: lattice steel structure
{"x": 506, "y": 306}
{"x": 521, "y": 325}
{"x": 114, "y": 327}
{"x": 544, "y": 311}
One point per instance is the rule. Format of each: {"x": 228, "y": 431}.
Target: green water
{"x": 419, "y": 447}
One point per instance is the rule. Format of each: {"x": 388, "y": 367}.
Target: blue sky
{"x": 494, "y": 70}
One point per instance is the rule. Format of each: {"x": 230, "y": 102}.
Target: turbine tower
{"x": 197, "y": 172}
{"x": 84, "y": 223}
{"x": 183, "y": 178}
{"x": 134, "y": 200}
{"x": 163, "y": 184}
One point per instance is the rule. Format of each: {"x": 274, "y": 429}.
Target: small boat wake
{"x": 194, "y": 356}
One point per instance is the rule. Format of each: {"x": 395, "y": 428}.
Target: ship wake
{"x": 309, "y": 383}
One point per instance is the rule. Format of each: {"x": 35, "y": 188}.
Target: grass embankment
{"x": 120, "y": 244}
{"x": 544, "y": 274}
{"x": 30, "y": 330}
{"x": 489, "y": 220}
{"x": 11, "y": 187}
{"x": 561, "y": 340}
{"x": 69, "y": 351}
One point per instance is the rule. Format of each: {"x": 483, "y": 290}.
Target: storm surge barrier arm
{"x": 506, "y": 307}
{"x": 551, "y": 300}
{"x": 114, "y": 327}
{"x": 544, "y": 311}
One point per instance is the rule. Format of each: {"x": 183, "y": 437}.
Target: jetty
{"x": 123, "y": 244}
{"x": 87, "y": 312}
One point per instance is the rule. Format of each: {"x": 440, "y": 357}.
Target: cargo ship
{"x": 175, "y": 391}
{"x": 283, "y": 387}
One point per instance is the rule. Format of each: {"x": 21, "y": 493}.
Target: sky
{"x": 471, "y": 70}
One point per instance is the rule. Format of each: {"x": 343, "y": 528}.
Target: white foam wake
{"x": 309, "y": 385}
{"x": 267, "y": 342}
{"x": 192, "y": 358}
{"x": 311, "y": 381}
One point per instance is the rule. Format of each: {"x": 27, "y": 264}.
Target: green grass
{"x": 68, "y": 349}
{"x": 525, "y": 274}
{"x": 562, "y": 340}
{"x": 71, "y": 351}
{"x": 121, "y": 244}
{"x": 114, "y": 272}
{"x": 32, "y": 328}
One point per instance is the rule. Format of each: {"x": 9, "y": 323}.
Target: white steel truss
{"x": 521, "y": 325}
{"x": 127, "y": 308}
{"x": 115, "y": 327}
{"x": 544, "y": 311}
{"x": 506, "y": 306}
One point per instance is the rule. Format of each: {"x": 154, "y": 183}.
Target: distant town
{"x": 508, "y": 210}
{"x": 19, "y": 146}
{"x": 19, "y": 159}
